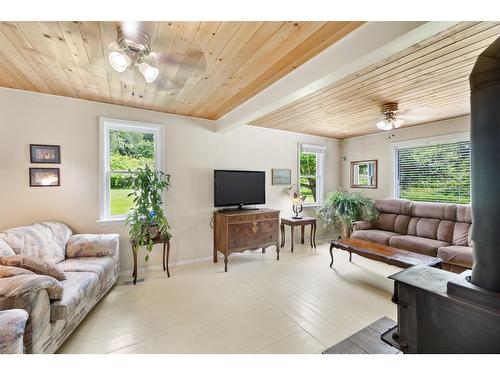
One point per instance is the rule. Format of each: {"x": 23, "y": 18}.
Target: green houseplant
{"x": 342, "y": 208}
{"x": 147, "y": 218}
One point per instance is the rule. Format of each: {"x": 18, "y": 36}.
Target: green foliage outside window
{"x": 308, "y": 179}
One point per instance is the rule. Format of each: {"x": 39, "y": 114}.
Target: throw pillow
{"x": 8, "y": 271}
{"x": 33, "y": 264}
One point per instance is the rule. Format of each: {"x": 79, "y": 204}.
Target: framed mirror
{"x": 364, "y": 174}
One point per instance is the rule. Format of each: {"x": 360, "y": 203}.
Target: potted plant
{"x": 147, "y": 218}
{"x": 342, "y": 208}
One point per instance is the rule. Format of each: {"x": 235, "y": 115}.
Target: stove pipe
{"x": 485, "y": 166}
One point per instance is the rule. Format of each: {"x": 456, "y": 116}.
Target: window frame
{"x": 419, "y": 142}
{"x": 105, "y": 125}
{"x": 320, "y": 172}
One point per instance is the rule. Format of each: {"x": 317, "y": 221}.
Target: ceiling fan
{"x": 132, "y": 50}
{"x": 391, "y": 118}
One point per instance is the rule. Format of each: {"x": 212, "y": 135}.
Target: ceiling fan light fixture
{"x": 384, "y": 125}
{"x": 149, "y": 72}
{"x": 119, "y": 61}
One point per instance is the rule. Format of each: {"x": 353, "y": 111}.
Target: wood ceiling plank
{"x": 107, "y": 32}
{"x": 377, "y": 74}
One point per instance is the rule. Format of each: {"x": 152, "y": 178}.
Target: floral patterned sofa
{"x": 90, "y": 265}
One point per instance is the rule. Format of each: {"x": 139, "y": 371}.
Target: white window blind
{"x": 434, "y": 173}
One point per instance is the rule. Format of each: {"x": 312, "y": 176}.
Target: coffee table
{"x": 382, "y": 253}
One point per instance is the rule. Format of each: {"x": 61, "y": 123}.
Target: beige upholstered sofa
{"x": 90, "y": 266}
{"x": 438, "y": 229}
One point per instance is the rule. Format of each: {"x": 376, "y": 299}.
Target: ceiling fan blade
{"x": 167, "y": 86}
{"x": 132, "y": 29}
{"x": 194, "y": 59}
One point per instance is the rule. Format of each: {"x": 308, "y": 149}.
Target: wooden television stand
{"x": 238, "y": 230}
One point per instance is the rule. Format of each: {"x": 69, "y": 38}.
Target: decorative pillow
{"x": 36, "y": 241}
{"x": 91, "y": 245}
{"x": 8, "y": 271}
{"x": 33, "y": 264}
{"x": 60, "y": 232}
{"x": 5, "y": 249}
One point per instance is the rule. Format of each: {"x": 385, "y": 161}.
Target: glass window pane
{"x": 119, "y": 201}
{"x": 308, "y": 189}
{"x": 130, "y": 150}
{"x": 307, "y": 164}
{"x": 435, "y": 173}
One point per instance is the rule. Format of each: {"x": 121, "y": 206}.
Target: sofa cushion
{"x": 92, "y": 245}
{"x": 386, "y": 222}
{"x": 445, "y": 231}
{"x": 456, "y": 255}
{"x": 394, "y": 206}
{"x": 35, "y": 240}
{"x": 35, "y": 265}
{"x": 374, "y": 235}
{"x": 442, "y": 211}
{"x": 401, "y": 224}
{"x": 416, "y": 244}
{"x": 5, "y": 249}
{"x": 464, "y": 213}
{"x": 60, "y": 232}
{"x": 461, "y": 234}
{"x": 77, "y": 287}
{"x": 427, "y": 228}
{"x": 98, "y": 265}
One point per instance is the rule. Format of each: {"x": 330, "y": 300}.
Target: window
{"x": 311, "y": 173}
{"x": 433, "y": 170}
{"x": 125, "y": 146}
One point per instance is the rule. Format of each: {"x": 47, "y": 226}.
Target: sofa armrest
{"x": 92, "y": 245}
{"x": 362, "y": 225}
{"x": 12, "y": 325}
{"x": 22, "y": 285}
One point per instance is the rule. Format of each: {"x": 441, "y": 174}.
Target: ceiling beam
{"x": 368, "y": 44}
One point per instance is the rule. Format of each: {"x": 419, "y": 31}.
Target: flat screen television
{"x": 239, "y": 188}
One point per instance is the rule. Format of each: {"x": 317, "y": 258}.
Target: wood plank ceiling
{"x": 241, "y": 59}
{"x": 429, "y": 80}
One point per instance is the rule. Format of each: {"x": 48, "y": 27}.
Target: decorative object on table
{"x": 297, "y": 200}
{"x": 364, "y": 174}
{"x": 342, "y": 208}
{"x": 48, "y": 154}
{"x": 147, "y": 218}
{"x": 282, "y": 176}
{"x": 302, "y": 222}
{"x": 42, "y": 177}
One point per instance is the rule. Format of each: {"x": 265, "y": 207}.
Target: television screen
{"x": 238, "y": 188}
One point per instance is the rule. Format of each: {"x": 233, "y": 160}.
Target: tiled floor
{"x": 295, "y": 305}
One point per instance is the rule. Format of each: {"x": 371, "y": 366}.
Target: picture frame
{"x": 281, "y": 176}
{"x": 45, "y": 154}
{"x": 44, "y": 177}
{"x": 364, "y": 174}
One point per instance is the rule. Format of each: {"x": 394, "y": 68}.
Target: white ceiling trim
{"x": 368, "y": 44}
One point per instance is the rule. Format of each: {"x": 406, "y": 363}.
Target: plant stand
{"x": 156, "y": 240}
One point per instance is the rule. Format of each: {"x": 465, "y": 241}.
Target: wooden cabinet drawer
{"x": 252, "y": 217}
{"x": 254, "y": 233}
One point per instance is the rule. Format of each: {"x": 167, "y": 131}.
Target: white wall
{"x": 378, "y": 146}
{"x": 192, "y": 151}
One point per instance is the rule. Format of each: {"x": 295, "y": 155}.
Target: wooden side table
{"x": 306, "y": 220}
{"x": 156, "y": 240}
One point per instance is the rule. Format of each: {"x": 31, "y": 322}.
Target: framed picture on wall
{"x": 282, "y": 176}
{"x": 364, "y": 174}
{"x": 43, "y": 177}
{"x": 48, "y": 154}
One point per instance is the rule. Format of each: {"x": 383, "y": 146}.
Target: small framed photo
{"x": 41, "y": 177}
{"x": 49, "y": 154}
{"x": 282, "y": 176}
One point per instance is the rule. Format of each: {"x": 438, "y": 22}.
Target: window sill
{"x": 313, "y": 205}
{"x": 111, "y": 221}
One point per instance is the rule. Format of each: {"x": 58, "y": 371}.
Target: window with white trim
{"x": 311, "y": 160}
{"x": 125, "y": 147}
{"x": 435, "y": 170}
